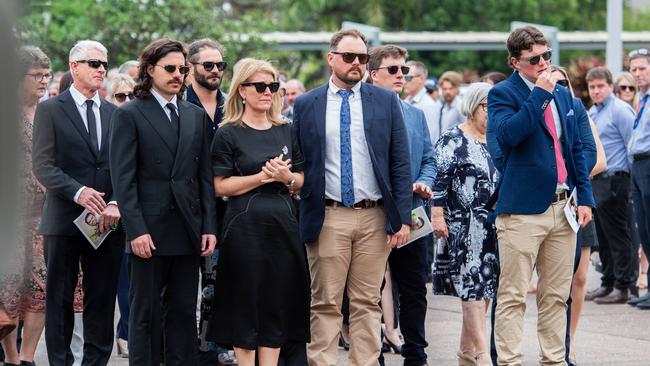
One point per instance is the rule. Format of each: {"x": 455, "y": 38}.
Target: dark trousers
{"x": 100, "y": 272}
{"x": 293, "y": 354}
{"x": 567, "y": 339}
{"x": 617, "y": 253}
{"x": 123, "y": 299}
{"x": 162, "y": 300}
{"x": 409, "y": 275}
{"x": 641, "y": 197}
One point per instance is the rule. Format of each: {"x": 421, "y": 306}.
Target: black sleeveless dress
{"x": 262, "y": 288}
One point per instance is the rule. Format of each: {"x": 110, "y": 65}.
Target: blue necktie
{"x": 641, "y": 108}
{"x": 347, "y": 185}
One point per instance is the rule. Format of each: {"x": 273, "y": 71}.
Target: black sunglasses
{"x": 94, "y": 63}
{"x": 535, "y": 59}
{"x": 349, "y": 57}
{"x": 393, "y": 69}
{"x": 120, "y": 97}
{"x": 260, "y": 87}
{"x": 172, "y": 68}
{"x": 410, "y": 77}
{"x": 629, "y": 88}
{"x": 209, "y": 65}
{"x": 563, "y": 82}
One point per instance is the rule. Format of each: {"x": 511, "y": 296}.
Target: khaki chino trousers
{"x": 351, "y": 247}
{"x": 545, "y": 242}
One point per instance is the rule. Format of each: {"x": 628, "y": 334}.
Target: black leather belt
{"x": 560, "y": 196}
{"x": 357, "y": 206}
{"x": 605, "y": 175}
{"x": 642, "y": 156}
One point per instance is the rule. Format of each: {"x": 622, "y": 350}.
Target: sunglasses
{"x": 260, "y": 87}
{"x": 563, "y": 82}
{"x": 393, "y": 69}
{"x": 209, "y": 65}
{"x": 628, "y": 88}
{"x": 640, "y": 51}
{"x": 94, "y": 63}
{"x": 410, "y": 77}
{"x": 40, "y": 77}
{"x": 349, "y": 57}
{"x": 121, "y": 97}
{"x": 172, "y": 68}
{"x": 535, "y": 59}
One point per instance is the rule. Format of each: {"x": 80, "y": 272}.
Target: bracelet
{"x": 292, "y": 183}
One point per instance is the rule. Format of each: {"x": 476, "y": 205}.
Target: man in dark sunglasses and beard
{"x": 163, "y": 183}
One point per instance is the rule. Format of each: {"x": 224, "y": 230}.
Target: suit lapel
{"x": 366, "y": 107}
{"x": 186, "y": 131}
{"x": 524, "y": 92}
{"x": 157, "y": 118}
{"x": 105, "y": 116}
{"x": 71, "y": 110}
{"x": 320, "y": 113}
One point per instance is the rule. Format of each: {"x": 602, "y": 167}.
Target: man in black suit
{"x": 162, "y": 176}
{"x": 70, "y": 158}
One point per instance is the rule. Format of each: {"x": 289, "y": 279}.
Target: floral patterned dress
{"x": 22, "y": 288}
{"x": 466, "y": 263}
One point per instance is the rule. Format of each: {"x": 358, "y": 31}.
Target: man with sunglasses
{"x": 614, "y": 120}
{"x": 408, "y": 265}
{"x": 71, "y": 159}
{"x": 161, "y": 171}
{"x": 639, "y": 150}
{"x": 532, "y": 129}
{"x": 356, "y": 200}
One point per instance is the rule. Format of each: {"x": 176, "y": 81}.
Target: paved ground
{"x": 608, "y": 335}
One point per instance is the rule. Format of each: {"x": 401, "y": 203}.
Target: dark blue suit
{"x": 387, "y": 144}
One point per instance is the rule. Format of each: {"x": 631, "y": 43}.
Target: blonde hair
{"x": 627, "y": 76}
{"x": 234, "y": 107}
{"x": 118, "y": 81}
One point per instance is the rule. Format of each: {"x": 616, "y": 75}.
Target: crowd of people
{"x": 290, "y": 213}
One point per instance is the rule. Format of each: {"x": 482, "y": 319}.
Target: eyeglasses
{"x": 484, "y": 106}
{"x": 393, "y": 69}
{"x": 410, "y": 77}
{"x": 172, "y": 68}
{"x": 121, "y": 97}
{"x": 94, "y": 63}
{"x": 38, "y": 77}
{"x": 563, "y": 82}
{"x": 640, "y": 51}
{"x": 349, "y": 57}
{"x": 209, "y": 65}
{"x": 534, "y": 60}
{"x": 260, "y": 87}
{"x": 628, "y": 88}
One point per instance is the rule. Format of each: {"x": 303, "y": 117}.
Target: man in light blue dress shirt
{"x": 639, "y": 150}
{"x": 614, "y": 120}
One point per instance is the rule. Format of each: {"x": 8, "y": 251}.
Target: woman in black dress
{"x": 262, "y": 276}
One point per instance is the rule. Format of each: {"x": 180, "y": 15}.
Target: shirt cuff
{"x": 76, "y": 195}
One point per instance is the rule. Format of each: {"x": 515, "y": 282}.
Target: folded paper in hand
{"x": 88, "y": 224}
{"x": 420, "y": 225}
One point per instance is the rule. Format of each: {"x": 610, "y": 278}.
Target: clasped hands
{"x": 93, "y": 201}
{"x": 278, "y": 170}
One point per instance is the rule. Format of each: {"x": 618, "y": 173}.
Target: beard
{"x": 204, "y": 82}
{"x": 347, "y": 76}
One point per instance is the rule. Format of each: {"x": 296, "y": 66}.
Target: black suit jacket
{"x": 64, "y": 161}
{"x": 158, "y": 174}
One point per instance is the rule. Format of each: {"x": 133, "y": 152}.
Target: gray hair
{"x": 81, "y": 49}
{"x": 419, "y": 67}
{"x": 118, "y": 81}
{"x": 32, "y": 58}
{"x": 124, "y": 68}
{"x": 474, "y": 95}
{"x": 298, "y": 83}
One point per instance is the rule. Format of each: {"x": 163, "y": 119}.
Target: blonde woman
{"x": 263, "y": 267}
{"x": 120, "y": 89}
{"x": 625, "y": 88}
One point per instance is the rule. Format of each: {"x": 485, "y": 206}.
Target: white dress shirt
{"x": 163, "y": 103}
{"x": 363, "y": 176}
{"x": 423, "y": 101}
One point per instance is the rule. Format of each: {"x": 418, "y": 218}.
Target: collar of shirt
{"x": 333, "y": 90}
{"x": 417, "y": 99}
{"x": 528, "y": 83}
{"x": 192, "y": 97}
{"x": 81, "y": 99}
{"x": 605, "y": 103}
{"x": 162, "y": 101}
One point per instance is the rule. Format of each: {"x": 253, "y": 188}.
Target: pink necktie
{"x": 559, "y": 160}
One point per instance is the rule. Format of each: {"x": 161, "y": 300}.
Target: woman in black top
{"x": 262, "y": 276}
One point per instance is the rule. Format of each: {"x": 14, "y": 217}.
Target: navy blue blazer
{"x": 387, "y": 144}
{"x": 517, "y": 136}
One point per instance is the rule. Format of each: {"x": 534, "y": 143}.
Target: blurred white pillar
{"x": 614, "y": 30}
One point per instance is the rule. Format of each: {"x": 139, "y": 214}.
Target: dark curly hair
{"x": 150, "y": 56}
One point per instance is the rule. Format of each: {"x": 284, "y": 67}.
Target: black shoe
{"x": 11, "y": 364}
{"x": 390, "y": 346}
{"x": 572, "y": 362}
{"x": 643, "y": 298}
{"x": 615, "y": 297}
{"x": 634, "y": 292}
{"x": 645, "y": 305}
{"x": 343, "y": 343}
{"x": 27, "y": 363}
{"x": 599, "y": 292}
